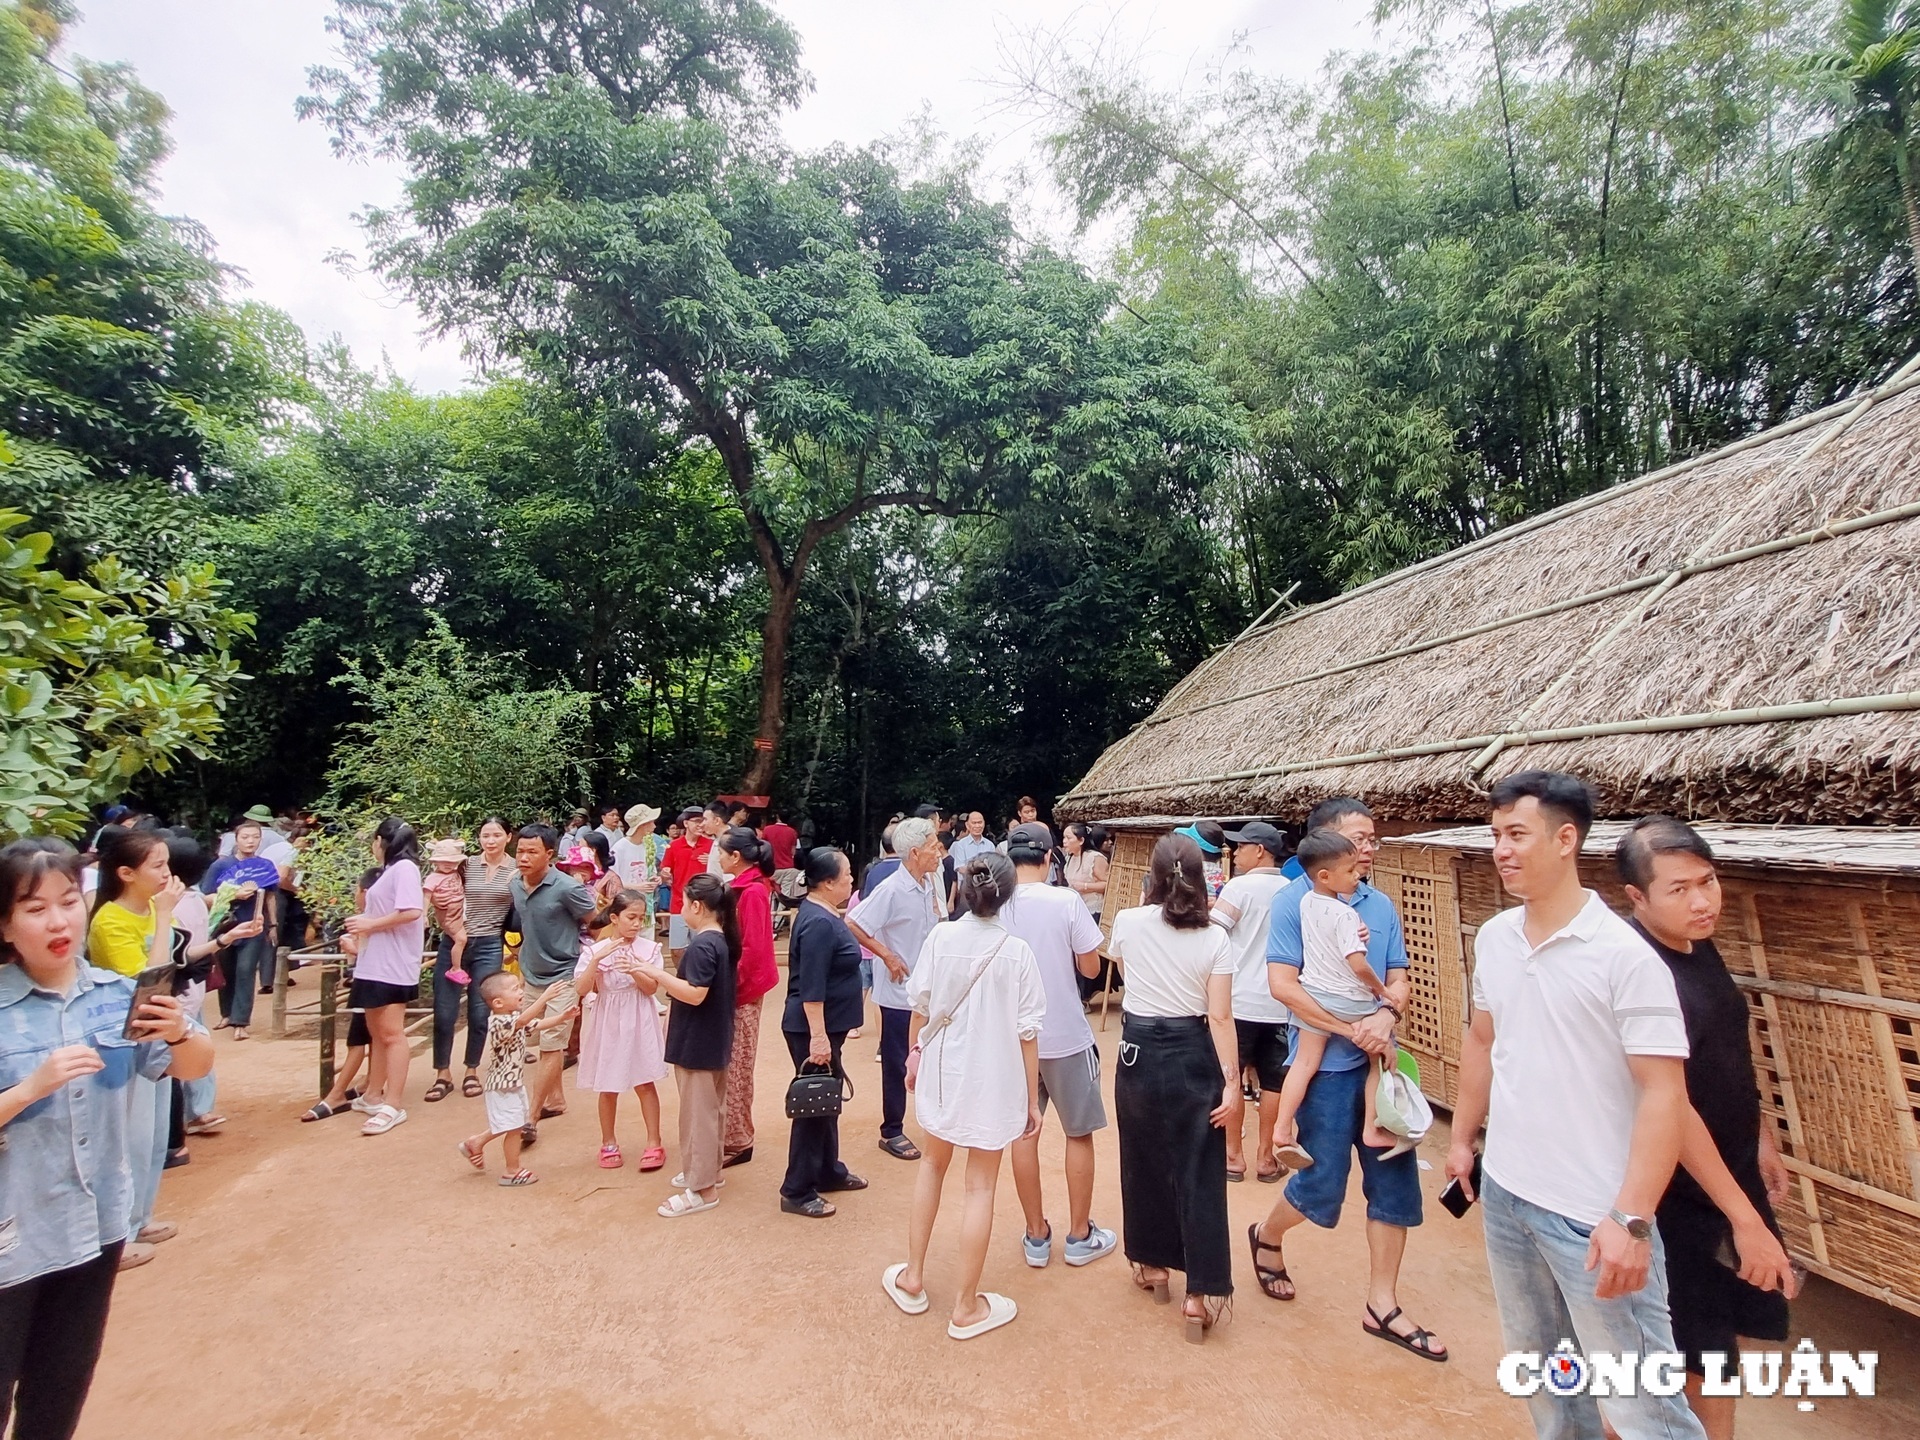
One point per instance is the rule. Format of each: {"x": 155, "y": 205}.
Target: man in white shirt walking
{"x": 893, "y": 921}
{"x": 1065, "y": 940}
{"x": 1575, "y": 1060}
{"x": 1245, "y": 911}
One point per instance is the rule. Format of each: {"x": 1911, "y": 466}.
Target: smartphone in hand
{"x": 1454, "y": 1200}
{"x": 154, "y": 980}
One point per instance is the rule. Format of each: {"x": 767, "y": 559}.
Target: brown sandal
{"x": 1156, "y": 1288}
{"x": 1213, "y": 1309}
{"x": 1268, "y": 1279}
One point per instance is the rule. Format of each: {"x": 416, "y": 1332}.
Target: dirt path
{"x": 330, "y": 1285}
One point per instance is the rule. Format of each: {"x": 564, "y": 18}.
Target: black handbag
{"x": 816, "y": 1093}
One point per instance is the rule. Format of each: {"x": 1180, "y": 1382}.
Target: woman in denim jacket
{"x": 66, "y": 1177}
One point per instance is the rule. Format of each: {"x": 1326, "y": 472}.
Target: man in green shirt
{"x": 550, "y": 907}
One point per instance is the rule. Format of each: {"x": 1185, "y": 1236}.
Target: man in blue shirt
{"x": 1334, "y": 1110}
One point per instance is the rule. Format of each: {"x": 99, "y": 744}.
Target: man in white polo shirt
{"x": 1065, "y": 940}
{"x": 1575, "y": 1060}
{"x": 893, "y": 920}
{"x": 1245, "y": 911}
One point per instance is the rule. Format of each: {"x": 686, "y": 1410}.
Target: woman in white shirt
{"x": 974, "y": 1068}
{"x": 1176, "y": 1084}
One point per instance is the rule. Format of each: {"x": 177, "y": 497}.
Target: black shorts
{"x": 1711, "y": 1305}
{"x": 373, "y": 994}
{"x": 357, "y": 1032}
{"x": 1263, "y": 1050}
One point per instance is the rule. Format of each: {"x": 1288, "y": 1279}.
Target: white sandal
{"x": 1000, "y": 1310}
{"x": 890, "y": 1282}
{"x": 687, "y": 1202}
{"x": 382, "y": 1119}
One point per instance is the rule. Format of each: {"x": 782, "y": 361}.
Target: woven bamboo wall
{"x": 1830, "y": 965}
{"x": 1126, "y": 874}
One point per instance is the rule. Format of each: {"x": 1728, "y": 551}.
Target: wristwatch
{"x": 1634, "y": 1225}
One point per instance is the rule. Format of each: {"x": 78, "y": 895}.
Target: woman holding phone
{"x": 131, "y": 930}
{"x": 67, "y": 1168}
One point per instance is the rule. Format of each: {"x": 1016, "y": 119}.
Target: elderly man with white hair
{"x": 894, "y": 922}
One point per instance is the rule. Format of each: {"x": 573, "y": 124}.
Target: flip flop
{"x": 1292, "y": 1157}
{"x": 890, "y": 1282}
{"x": 479, "y": 1162}
{"x": 1000, "y": 1310}
{"x": 1416, "y": 1342}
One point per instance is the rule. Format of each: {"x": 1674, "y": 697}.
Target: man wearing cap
{"x": 893, "y": 921}
{"x": 1245, "y": 910}
{"x": 638, "y": 852}
{"x": 1065, "y": 940}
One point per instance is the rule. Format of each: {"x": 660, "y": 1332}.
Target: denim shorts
{"x": 1330, "y": 1119}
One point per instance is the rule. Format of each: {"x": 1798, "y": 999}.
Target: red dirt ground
{"x": 325, "y": 1284}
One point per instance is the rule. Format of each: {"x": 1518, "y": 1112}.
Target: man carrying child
{"x": 1333, "y": 1111}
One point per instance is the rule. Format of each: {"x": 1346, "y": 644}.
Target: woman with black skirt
{"x": 1176, "y": 1084}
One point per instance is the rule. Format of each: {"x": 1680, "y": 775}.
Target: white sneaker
{"x": 1091, "y": 1246}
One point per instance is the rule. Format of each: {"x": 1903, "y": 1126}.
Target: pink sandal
{"x": 610, "y": 1157}
{"x": 654, "y": 1157}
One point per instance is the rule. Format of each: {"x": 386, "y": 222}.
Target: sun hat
{"x": 447, "y": 850}
{"x": 581, "y": 858}
{"x": 260, "y": 813}
{"x": 1192, "y": 832}
{"x": 641, "y": 815}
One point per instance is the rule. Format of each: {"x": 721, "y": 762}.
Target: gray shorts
{"x": 678, "y": 937}
{"x": 1072, "y": 1085}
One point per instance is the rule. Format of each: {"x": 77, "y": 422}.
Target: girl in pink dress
{"x": 624, "y": 1046}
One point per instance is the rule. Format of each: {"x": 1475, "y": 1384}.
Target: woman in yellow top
{"x": 132, "y": 925}
{"x": 132, "y": 928}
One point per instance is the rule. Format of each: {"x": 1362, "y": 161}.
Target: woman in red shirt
{"x": 747, "y": 861}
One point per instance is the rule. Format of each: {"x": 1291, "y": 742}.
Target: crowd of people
{"x": 1256, "y": 973}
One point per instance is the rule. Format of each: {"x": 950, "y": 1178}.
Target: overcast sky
{"x": 278, "y": 202}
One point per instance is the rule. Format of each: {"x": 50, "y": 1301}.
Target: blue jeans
{"x": 244, "y": 962}
{"x": 482, "y": 957}
{"x": 1545, "y": 1293}
{"x": 1330, "y": 1119}
{"x": 149, "y": 1115}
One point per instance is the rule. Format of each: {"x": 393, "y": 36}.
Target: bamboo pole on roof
{"x": 1653, "y": 725}
{"x": 1833, "y": 530}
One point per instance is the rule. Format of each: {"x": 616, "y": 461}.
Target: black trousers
{"x": 813, "y": 1149}
{"x": 1173, "y": 1159}
{"x": 894, "y": 1026}
{"x": 50, "y": 1332}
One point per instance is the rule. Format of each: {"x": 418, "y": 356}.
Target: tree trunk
{"x": 1903, "y": 164}
{"x": 775, "y": 633}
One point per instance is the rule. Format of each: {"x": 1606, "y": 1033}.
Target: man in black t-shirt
{"x": 1727, "y": 1273}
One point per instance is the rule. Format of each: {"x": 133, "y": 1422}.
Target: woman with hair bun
{"x": 974, "y": 1069}
{"x": 746, "y": 862}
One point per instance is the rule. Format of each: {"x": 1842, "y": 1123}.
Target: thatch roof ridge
{"x": 1717, "y": 565}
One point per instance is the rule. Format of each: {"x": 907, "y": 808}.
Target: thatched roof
{"x": 1774, "y": 678}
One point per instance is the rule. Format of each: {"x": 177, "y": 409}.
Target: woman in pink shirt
{"x": 747, "y": 861}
